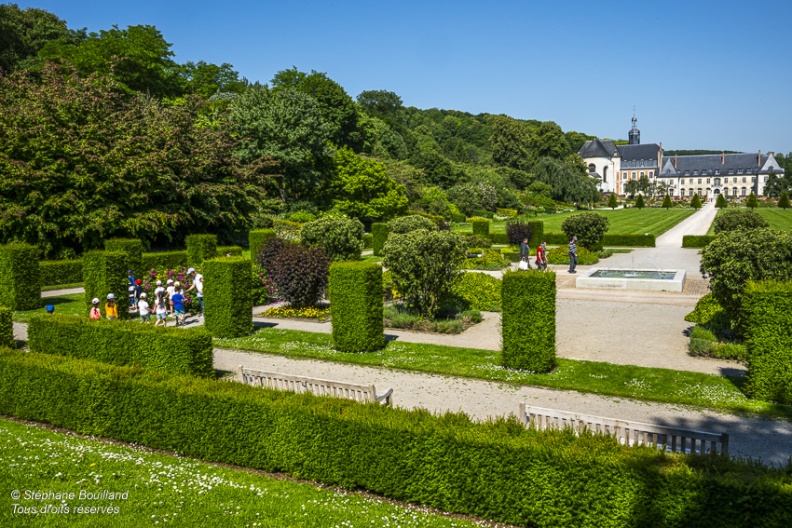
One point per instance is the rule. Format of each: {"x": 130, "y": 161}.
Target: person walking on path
{"x": 573, "y": 255}
{"x": 178, "y": 306}
{"x": 160, "y": 310}
{"x": 143, "y": 309}
{"x": 525, "y": 255}
{"x": 111, "y": 310}
{"x": 95, "y": 314}
{"x": 197, "y": 286}
{"x": 541, "y": 257}
{"x": 171, "y": 291}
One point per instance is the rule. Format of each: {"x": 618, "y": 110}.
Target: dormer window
{"x": 695, "y": 173}
{"x": 687, "y": 173}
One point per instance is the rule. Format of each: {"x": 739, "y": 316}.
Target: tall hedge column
{"x": 133, "y": 247}
{"x": 6, "y": 328}
{"x": 379, "y": 235}
{"x": 20, "y": 286}
{"x": 200, "y": 248}
{"x": 528, "y": 320}
{"x": 256, "y": 240}
{"x": 106, "y": 272}
{"x": 227, "y": 296}
{"x": 355, "y": 291}
{"x": 767, "y": 316}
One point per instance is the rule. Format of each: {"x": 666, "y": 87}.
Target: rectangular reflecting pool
{"x": 633, "y": 279}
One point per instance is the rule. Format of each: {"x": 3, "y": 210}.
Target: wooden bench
{"x": 320, "y": 387}
{"x": 669, "y": 439}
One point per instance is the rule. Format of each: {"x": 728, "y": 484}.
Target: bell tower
{"x": 635, "y": 134}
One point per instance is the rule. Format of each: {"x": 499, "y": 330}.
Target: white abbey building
{"x": 734, "y": 175}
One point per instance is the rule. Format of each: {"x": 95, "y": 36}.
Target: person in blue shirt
{"x": 178, "y": 306}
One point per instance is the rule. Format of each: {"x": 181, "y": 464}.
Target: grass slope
{"x": 642, "y": 383}
{"x": 171, "y": 490}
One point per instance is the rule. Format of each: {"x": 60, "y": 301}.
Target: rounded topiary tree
{"x": 406, "y": 224}
{"x": 424, "y": 265}
{"x": 667, "y": 202}
{"x": 613, "y": 202}
{"x": 639, "y": 202}
{"x": 752, "y": 202}
{"x": 721, "y": 202}
{"x": 695, "y": 202}
{"x": 735, "y": 219}
{"x": 589, "y": 228}
{"x": 783, "y": 202}
{"x": 340, "y": 237}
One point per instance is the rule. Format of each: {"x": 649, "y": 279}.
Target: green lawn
{"x": 71, "y": 304}
{"x": 652, "y": 384}
{"x": 779, "y": 219}
{"x": 622, "y": 221}
{"x": 171, "y": 490}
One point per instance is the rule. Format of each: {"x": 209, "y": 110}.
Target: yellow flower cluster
{"x": 311, "y": 312}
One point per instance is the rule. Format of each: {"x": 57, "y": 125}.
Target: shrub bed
{"x": 299, "y": 273}
{"x": 517, "y": 230}
{"x": 54, "y": 272}
{"x": 379, "y": 234}
{"x": 355, "y": 291}
{"x": 767, "y": 313}
{"x": 704, "y": 343}
{"x": 452, "y": 322}
{"x": 696, "y": 241}
{"x": 228, "y": 303}
{"x": 479, "y": 291}
{"x": 133, "y": 248}
{"x": 105, "y": 272}
{"x": 123, "y": 343}
{"x": 498, "y": 470}
{"x": 529, "y": 320}
{"x": 256, "y": 240}
{"x": 560, "y": 255}
{"x": 491, "y": 260}
{"x": 20, "y": 286}
{"x": 6, "y": 327}
{"x": 286, "y": 229}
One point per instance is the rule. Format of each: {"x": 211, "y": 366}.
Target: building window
{"x": 743, "y": 179}
{"x": 753, "y": 179}
{"x": 699, "y": 181}
{"x": 767, "y": 178}
{"x": 668, "y": 172}
{"x": 731, "y": 171}
{"x": 643, "y": 174}
{"x": 624, "y": 175}
{"x": 592, "y": 168}
{"x": 651, "y": 174}
{"x": 734, "y": 191}
{"x": 742, "y": 191}
{"x": 605, "y": 174}
{"x": 633, "y": 175}
{"x": 717, "y": 181}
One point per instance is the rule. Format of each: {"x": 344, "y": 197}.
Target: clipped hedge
{"x": 379, "y": 234}
{"x": 228, "y": 303}
{"x": 479, "y": 291}
{"x": 556, "y": 239}
{"x": 697, "y": 241}
{"x": 133, "y": 247}
{"x": 286, "y": 229}
{"x": 54, "y": 272}
{"x": 200, "y": 248}
{"x": 223, "y": 251}
{"x": 767, "y": 315}
{"x": 528, "y": 321}
{"x": 560, "y": 255}
{"x": 498, "y": 470}
{"x": 106, "y": 272}
{"x": 171, "y": 350}
{"x": 164, "y": 260}
{"x": 20, "y": 286}
{"x": 635, "y": 240}
{"x": 368, "y": 241}
{"x": 355, "y": 291}
{"x": 480, "y": 226}
{"x": 498, "y": 238}
{"x": 256, "y": 240}
{"x": 6, "y": 327}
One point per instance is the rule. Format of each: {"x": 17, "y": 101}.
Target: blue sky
{"x": 701, "y": 74}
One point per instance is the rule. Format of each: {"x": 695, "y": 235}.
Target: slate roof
{"x": 648, "y": 151}
{"x": 704, "y": 163}
{"x": 597, "y": 148}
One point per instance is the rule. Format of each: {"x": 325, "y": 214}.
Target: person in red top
{"x": 541, "y": 257}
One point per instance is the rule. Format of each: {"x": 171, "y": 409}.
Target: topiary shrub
{"x": 425, "y": 265}
{"x": 560, "y": 255}
{"x": 613, "y": 202}
{"x": 133, "y": 248}
{"x": 752, "y": 202}
{"x": 707, "y": 309}
{"x": 783, "y": 202}
{"x": 480, "y": 225}
{"x": 300, "y": 273}
{"x": 228, "y": 304}
{"x": 105, "y": 272}
{"x": 639, "y": 202}
{"x": 696, "y": 241}
{"x": 767, "y": 316}
{"x": 517, "y": 230}
{"x": 20, "y": 286}
{"x": 528, "y": 321}
{"x": 54, "y": 272}
{"x": 735, "y": 219}
{"x": 340, "y": 237}
{"x": 200, "y": 248}
{"x": 695, "y": 202}
{"x": 355, "y": 291}
{"x": 406, "y": 224}
{"x": 271, "y": 247}
{"x": 721, "y": 202}
{"x": 379, "y": 233}
{"x": 479, "y": 291}
{"x": 169, "y": 350}
{"x": 6, "y": 328}
{"x": 629, "y": 240}
{"x": 590, "y": 228}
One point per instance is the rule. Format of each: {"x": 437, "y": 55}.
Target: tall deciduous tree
{"x": 362, "y": 189}
{"x": 288, "y": 127}
{"x": 510, "y": 143}
{"x": 24, "y": 32}
{"x": 383, "y": 105}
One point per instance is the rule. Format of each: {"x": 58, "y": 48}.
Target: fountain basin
{"x": 633, "y": 279}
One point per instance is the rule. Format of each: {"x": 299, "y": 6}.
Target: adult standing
{"x": 541, "y": 257}
{"x": 197, "y": 286}
{"x": 525, "y": 255}
{"x": 573, "y": 255}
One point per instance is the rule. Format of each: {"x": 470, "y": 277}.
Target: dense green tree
{"x": 381, "y": 140}
{"x": 752, "y": 202}
{"x": 23, "y": 32}
{"x": 81, "y": 162}
{"x": 337, "y": 108}
{"x": 340, "y": 237}
{"x": 288, "y": 127}
{"x": 434, "y": 201}
{"x": 471, "y": 197}
{"x": 644, "y": 185}
{"x": 613, "y": 202}
{"x": 639, "y": 202}
{"x": 783, "y": 202}
{"x": 577, "y": 139}
{"x": 510, "y": 142}
{"x": 138, "y": 58}
{"x": 695, "y": 202}
{"x": 569, "y": 183}
{"x": 632, "y": 187}
{"x": 667, "y": 202}
{"x": 362, "y": 189}
{"x": 383, "y": 105}
{"x": 205, "y": 79}
{"x": 776, "y": 185}
{"x": 548, "y": 140}
{"x": 721, "y": 202}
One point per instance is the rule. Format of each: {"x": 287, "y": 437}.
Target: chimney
{"x": 675, "y": 160}
{"x": 660, "y": 158}
{"x": 759, "y": 158}
{"x": 723, "y": 157}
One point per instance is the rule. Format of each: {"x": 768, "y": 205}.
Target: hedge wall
{"x": 628, "y": 240}
{"x": 556, "y": 239}
{"x": 498, "y": 238}
{"x": 228, "y": 300}
{"x": 696, "y": 241}
{"x": 133, "y": 247}
{"x": 379, "y": 233}
{"x": 171, "y": 350}
{"x": 164, "y": 260}
{"x": 256, "y": 239}
{"x": 497, "y": 470}
{"x": 20, "y": 286}
{"x": 529, "y": 320}
{"x": 481, "y": 227}
{"x": 767, "y": 312}
{"x": 53, "y": 272}
{"x": 6, "y": 327}
{"x": 355, "y": 291}
{"x": 368, "y": 241}
{"x": 200, "y": 248}
{"x": 223, "y": 251}
{"x": 106, "y": 272}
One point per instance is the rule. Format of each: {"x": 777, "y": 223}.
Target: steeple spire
{"x": 635, "y": 134}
